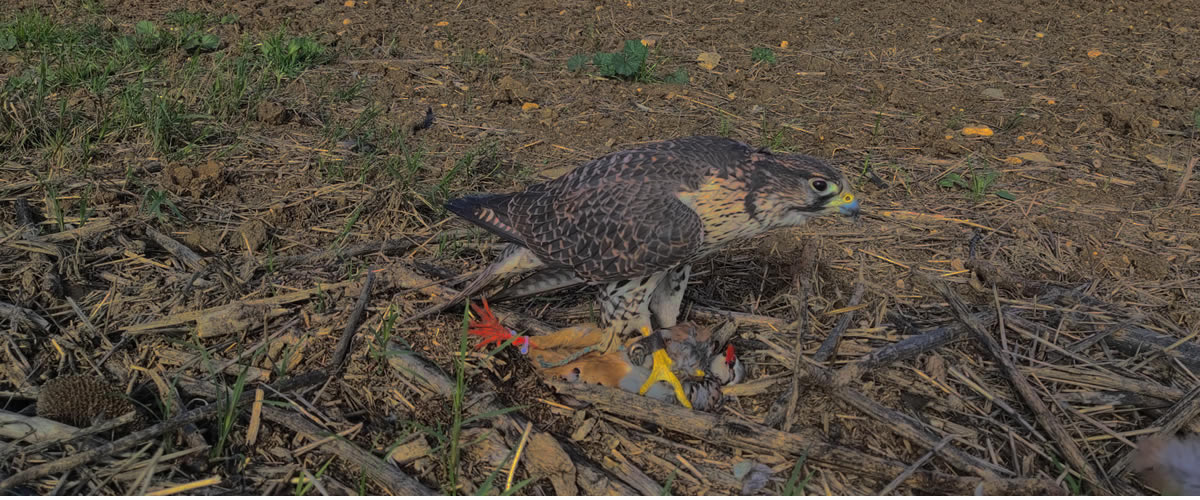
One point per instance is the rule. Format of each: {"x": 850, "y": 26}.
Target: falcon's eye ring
{"x": 822, "y": 186}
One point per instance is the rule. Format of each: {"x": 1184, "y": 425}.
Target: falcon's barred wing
{"x": 611, "y": 230}
{"x": 615, "y": 217}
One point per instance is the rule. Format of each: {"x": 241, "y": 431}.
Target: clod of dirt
{"x": 273, "y": 113}
{"x": 181, "y": 176}
{"x": 254, "y": 234}
{"x": 1125, "y": 119}
{"x": 486, "y": 446}
{"x": 194, "y": 179}
{"x": 81, "y": 399}
{"x": 514, "y": 90}
{"x": 208, "y": 171}
{"x": 236, "y": 318}
{"x": 208, "y": 240}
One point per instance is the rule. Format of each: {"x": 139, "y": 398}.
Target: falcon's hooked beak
{"x": 846, "y": 203}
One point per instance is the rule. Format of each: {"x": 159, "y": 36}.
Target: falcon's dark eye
{"x": 820, "y": 185}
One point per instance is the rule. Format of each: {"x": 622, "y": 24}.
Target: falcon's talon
{"x": 661, "y": 372}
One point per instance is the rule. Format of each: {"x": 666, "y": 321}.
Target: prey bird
{"x": 632, "y": 222}
{"x": 685, "y": 362}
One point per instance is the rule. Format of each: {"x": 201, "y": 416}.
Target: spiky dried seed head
{"x": 79, "y": 399}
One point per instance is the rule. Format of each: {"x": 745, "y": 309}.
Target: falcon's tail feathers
{"x": 489, "y": 211}
{"x": 537, "y": 283}
{"x": 514, "y": 259}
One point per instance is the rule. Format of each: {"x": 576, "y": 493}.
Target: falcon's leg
{"x": 668, "y": 297}
{"x": 625, "y": 308}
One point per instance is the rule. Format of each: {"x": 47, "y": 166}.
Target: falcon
{"x": 632, "y": 222}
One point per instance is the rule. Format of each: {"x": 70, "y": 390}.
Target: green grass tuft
{"x": 762, "y": 55}
{"x": 287, "y": 56}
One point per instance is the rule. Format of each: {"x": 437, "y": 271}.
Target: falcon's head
{"x": 792, "y": 188}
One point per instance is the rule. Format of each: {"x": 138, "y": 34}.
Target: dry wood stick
{"x": 1060, "y": 435}
{"x": 908, "y": 471}
{"x": 85, "y": 435}
{"x": 1136, "y": 340}
{"x": 352, "y": 324}
{"x": 189, "y": 257}
{"x": 190, "y": 316}
{"x": 1183, "y": 181}
{"x": 740, "y": 318}
{"x": 620, "y": 466}
{"x": 1083, "y": 378}
{"x": 734, "y": 432}
{"x": 908, "y": 348}
{"x": 1114, "y": 398}
{"x": 1175, "y": 418}
{"x": 23, "y": 316}
{"x": 797, "y": 368}
{"x": 392, "y": 478}
{"x": 70, "y": 462}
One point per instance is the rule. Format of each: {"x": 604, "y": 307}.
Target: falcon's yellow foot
{"x": 661, "y": 372}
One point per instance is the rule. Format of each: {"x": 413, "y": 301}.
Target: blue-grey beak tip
{"x": 850, "y": 209}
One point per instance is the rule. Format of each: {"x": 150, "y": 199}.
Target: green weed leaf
{"x": 145, "y": 28}
{"x": 207, "y": 42}
{"x": 1006, "y": 195}
{"x": 635, "y": 52}
{"x": 576, "y": 61}
{"x": 604, "y": 63}
{"x": 952, "y": 180}
{"x": 679, "y": 77}
{"x": 624, "y": 66}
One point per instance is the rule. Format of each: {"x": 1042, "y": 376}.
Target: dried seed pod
{"x": 80, "y": 400}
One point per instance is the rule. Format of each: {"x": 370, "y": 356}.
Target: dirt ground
{"x": 1073, "y": 217}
